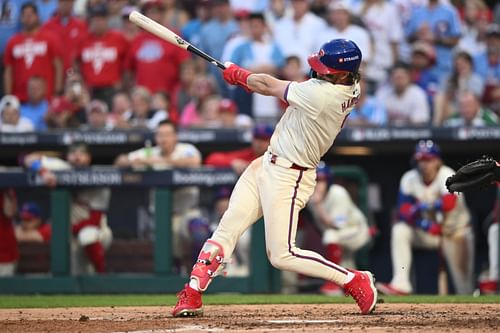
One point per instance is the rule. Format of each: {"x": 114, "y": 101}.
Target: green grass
{"x": 54, "y": 301}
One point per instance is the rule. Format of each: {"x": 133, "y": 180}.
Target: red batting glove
{"x": 235, "y": 75}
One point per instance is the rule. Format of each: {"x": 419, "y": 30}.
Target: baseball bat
{"x": 164, "y": 33}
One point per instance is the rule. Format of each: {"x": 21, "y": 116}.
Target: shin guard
{"x": 210, "y": 263}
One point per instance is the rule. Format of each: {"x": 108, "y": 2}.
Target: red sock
{"x": 334, "y": 253}
{"x": 95, "y": 252}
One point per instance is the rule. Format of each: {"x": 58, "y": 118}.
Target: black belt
{"x": 293, "y": 166}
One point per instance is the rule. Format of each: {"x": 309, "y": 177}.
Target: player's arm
{"x": 7, "y": 80}
{"x": 263, "y": 84}
{"x": 59, "y": 75}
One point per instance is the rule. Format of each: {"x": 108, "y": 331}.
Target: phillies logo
{"x": 98, "y": 54}
{"x": 179, "y": 40}
{"x": 29, "y": 50}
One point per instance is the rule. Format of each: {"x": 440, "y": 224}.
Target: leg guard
{"x": 210, "y": 263}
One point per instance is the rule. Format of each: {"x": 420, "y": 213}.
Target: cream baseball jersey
{"x": 412, "y": 184}
{"x": 315, "y": 115}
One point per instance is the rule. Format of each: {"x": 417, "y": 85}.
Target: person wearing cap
{"x": 69, "y": 30}
{"x": 32, "y": 228}
{"x": 37, "y": 105}
{"x": 345, "y": 227}
{"x": 11, "y": 120}
{"x": 9, "y": 252}
{"x": 102, "y": 55}
{"x": 430, "y": 217}
{"x": 61, "y": 114}
{"x": 487, "y": 63}
{"x": 32, "y": 52}
{"x": 340, "y": 26}
{"x": 91, "y": 235}
{"x": 97, "y": 116}
{"x": 230, "y": 116}
{"x": 129, "y": 29}
{"x": 238, "y": 160}
{"x": 152, "y": 62}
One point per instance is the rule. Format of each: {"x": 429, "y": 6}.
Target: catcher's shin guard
{"x": 210, "y": 263}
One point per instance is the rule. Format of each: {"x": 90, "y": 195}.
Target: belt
{"x": 275, "y": 159}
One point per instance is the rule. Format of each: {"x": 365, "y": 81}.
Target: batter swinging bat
{"x": 164, "y": 33}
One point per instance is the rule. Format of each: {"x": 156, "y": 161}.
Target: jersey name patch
{"x": 349, "y": 103}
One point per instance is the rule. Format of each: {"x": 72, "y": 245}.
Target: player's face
{"x": 429, "y": 168}
{"x": 166, "y": 138}
{"x": 79, "y": 158}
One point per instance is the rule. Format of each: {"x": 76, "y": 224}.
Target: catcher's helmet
{"x": 426, "y": 150}
{"x": 336, "y": 56}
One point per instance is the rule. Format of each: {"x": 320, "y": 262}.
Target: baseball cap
{"x": 97, "y": 105}
{"x": 493, "y": 30}
{"x": 426, "y": 150}
{"x": 99, "y": 9}
{"x": 146, "y": 4}
{"x": 30, "y": 210}
{"x": 263, "y": 131}
{"x": 227, "y": 105}
{"x": 9, "y": 100}
{"x": 339, "y": 5}
{"x": 60, "y": 104}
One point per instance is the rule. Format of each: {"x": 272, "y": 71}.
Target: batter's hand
{"x": 235, "y": 75}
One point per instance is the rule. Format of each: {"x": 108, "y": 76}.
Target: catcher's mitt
{"x": 474, "y": 175}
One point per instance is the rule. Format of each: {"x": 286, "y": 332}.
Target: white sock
{"x": 349, "y": 277}
{"x": 193, "y": 283}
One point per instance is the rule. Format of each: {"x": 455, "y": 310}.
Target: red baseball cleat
{"x": 363, "y": 290}
{"x": 488, "y": 287}
{"x": 331, "y": 289}
{"x": 388, "y": 289}
{"x": 189, "y": 303}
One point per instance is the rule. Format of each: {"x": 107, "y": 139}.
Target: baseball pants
{"x": 278, "y": 194}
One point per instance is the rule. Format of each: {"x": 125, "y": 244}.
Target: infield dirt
{"x": 258, "y": 318}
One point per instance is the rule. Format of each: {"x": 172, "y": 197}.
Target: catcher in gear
{"x": 474, "y": 175}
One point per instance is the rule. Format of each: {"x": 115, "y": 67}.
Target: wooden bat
{"x": 164, "y": 33}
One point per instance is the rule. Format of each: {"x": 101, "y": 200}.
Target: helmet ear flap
{"x": 313, "y": 74}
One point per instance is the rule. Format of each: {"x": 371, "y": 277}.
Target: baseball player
{"x": 91, "y": 234}
{"x": 346, "y": 228}
{"x": 430, "y": 217}
{"x": 9, "y": 252}
{"x": 278, "y": 184}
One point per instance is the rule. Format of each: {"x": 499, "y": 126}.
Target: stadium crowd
{"x": 80, "y": 64}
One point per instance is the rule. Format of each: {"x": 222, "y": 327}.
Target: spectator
{"x": 191, "y": 30}
{"x": 209, "y": 113}
{"x": 91, "y": 234}
{"x": 129, "y": 29}
{"x": 37, "y": 105}
{"x": 405, "y": 102}
{"x": 214, "y": 35}
{"x": 143, "y": 116}
{"x": 10, "y": 117}
{"x": 202, "y": 88}
{"x": 29, "y": 53}
{"x": 242, "y": 17}
{"x": 115, "y": 9}
{"x": 77, "y": 94}
{"x": 438, "y": 24}
{"x": 423, "y": 58}
{"x": 121, "y": 111}
{"x": 430, "y": 217}
{"x": 154, "y": 62}
{"x": 181, "y": 95}
{"x": 345, "y": 227}
{"x": 462, "y": 79}
{"x": 61, "y": 114}
{"x": 477, "y": 17}
{"x": 102, "y": 56}
{"x": 340, "y": 26}
{"x": 471, "y": 113}
{"x": 68, "y": 29}
{"x": 238, "y": 160}
{"x": 161, "y": 104}
{"x": 277, "y": 10}
{"x": 9, "y": 253}
{"x": 174, "y": 17}
{"x": 304, "y": 25}
{"x": 258, "y": 54}
{"x": 97, "y": 114}
{"x": 32, "y": 228}
{"x": 368, "y": 112}
{"x": 384, "y": 23}
{"x": 169, "y": 153}
{"x": 229, "y": 116}
{"x": 487, "y": 64}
